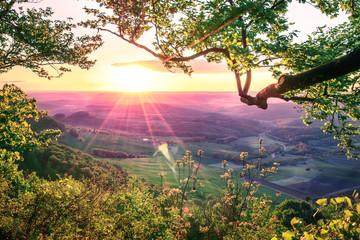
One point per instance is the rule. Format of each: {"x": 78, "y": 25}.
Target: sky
{"x": 113, "y": 72}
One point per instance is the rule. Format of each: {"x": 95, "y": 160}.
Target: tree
{"x": 16, "y": 134}
{"x": 30, "y": 39}
{"x": 321, "y": 72}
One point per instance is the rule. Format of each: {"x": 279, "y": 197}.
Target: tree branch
{"x": 161, "y": 57}
{"x": 217, "y": 29}
{"x": 7, "y": 8}
{"x": 133, "y": 43}
{"x": 199, "y": 54}
{"x": 342, "y": 66}
{"x": 248, "y": 81}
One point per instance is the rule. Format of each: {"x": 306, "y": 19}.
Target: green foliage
{"x": 237, "y": 213}
{"x": 187, "y": 176}
{"x": 143, "y": 214}
{"x": 242, "y": 184}
{"x": 29, "y": 38}
{"x": 15, "y": 133}
{"x": 335, "y": 102}
{"x": 342, "y": 225}
{"x": 91, "y": 207}
{"x": 290, "y": 209}
{"x": 98, "y": 205}
{"x": 46, "y": 122}
{"x": 99, "y": 202}
{"x": 109, "y": 154}
{"x": 56, "y": 160}
{"x": 11, "y": 180}
{"x": 251, "y": 41}
{"x": 211, "y": 220}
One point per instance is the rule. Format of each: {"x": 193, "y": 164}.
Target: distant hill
{"x": 295, "y": 122}
{"x": 165, "y": 120}
{"x": 211, "y": 116}
{"x": 59, "y": 116}
{"x": 46, "y": 122}
{"x": 83, "y": 118}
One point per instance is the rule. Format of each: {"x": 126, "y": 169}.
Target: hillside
{"x": 46, "y": 122}
{"x": 56, "y": 161}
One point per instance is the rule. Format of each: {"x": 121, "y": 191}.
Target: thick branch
{"x": 248, "y": 81}
{"x": 325, "y": 72}
{"x": 342, "y": 66}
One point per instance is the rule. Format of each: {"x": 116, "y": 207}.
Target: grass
{"x": 330, "y": 166}
{"x": 253, "y": 142}
{"x": 286, "y": 172}
{"x": 108, "y": 142}
{"x": 149, "y": 168}
{"x": 291, "y": 180}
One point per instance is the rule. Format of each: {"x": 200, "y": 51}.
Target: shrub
{"x": 289, "y": 209}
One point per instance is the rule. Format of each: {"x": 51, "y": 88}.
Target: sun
{"x": 131, "y": 79}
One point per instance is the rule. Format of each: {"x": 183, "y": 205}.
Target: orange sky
{"x": 109, "y": 75}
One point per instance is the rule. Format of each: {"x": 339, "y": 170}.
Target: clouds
{"x": 5, "y": 81}
{"x": 200, "y": 66}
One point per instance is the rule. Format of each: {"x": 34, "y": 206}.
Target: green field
{"x": 329, "y": 166}
{"x": 303, "y": 170}
{"x": 108, "y": 142}
{"x": 149, "y": 168}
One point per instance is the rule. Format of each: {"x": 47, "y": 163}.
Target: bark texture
{"x": 342, "y": 66}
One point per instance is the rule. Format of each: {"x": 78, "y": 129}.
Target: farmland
{"x": 310, "y": 161}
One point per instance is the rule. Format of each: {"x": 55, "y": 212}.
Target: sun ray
{"x": 163, "y": 148}
{"x": 102, "y": 125}
{"x": 126, "y": 113}
{"x": 163, "y": 120}
{"x": 130, "y": 110}
{"x": 147, "y": 122}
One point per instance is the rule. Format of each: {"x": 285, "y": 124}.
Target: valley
{"x": 136, "y": 124}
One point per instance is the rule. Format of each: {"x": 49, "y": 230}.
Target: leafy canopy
{"x": 29, "y": 38}
{"x": 248, "y": 35}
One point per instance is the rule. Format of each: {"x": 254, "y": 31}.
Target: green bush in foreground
{"x": 344, "y": 223}
{"x": 289, "y": 209}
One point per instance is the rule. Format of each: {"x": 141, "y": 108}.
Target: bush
{"x": 289, "y": 209}
{"x": 74, "y": 132}
{"x": 109, "y": 154}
